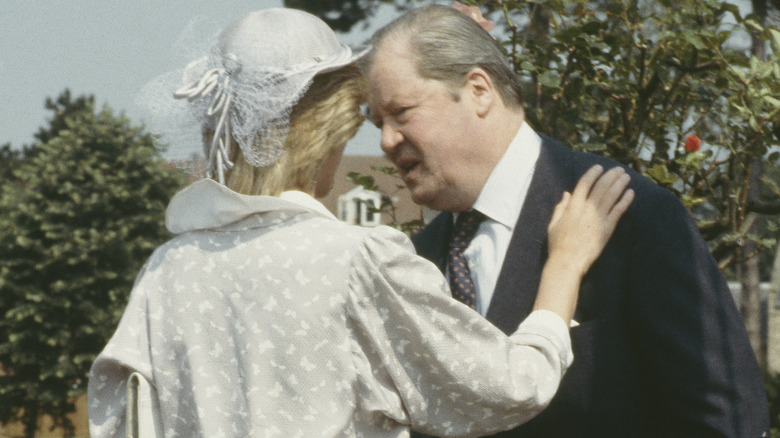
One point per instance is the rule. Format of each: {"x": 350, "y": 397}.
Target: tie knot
{"x": 465, "y": 228}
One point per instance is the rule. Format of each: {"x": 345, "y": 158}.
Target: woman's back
{"x": 256, "y": 327}
{"x": 247, "y": 327}
{"x": 267, "y": 316}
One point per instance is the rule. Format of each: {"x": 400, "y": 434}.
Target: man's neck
{"x": 503, "y": 127}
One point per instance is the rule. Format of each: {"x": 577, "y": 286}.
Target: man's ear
{"x": 480, "y": 88}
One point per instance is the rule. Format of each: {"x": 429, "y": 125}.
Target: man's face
{"x": 426, "y": 132}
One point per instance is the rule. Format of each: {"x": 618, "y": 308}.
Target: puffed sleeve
{"x": 125, "y": 353}
{"x": 429, "y": 361}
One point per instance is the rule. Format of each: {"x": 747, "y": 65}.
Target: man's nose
{"x": 391, "y": 137}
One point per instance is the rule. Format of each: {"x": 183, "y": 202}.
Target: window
{"x": 359, "y": 207}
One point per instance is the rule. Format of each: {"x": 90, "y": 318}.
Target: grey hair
{"x": 446, "y": 45}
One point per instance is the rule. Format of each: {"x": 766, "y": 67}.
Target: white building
{"x": 360, "y": 207}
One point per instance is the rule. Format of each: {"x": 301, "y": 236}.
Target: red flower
{"x": 475, "y": 14}
{"x": 692, "y": 143}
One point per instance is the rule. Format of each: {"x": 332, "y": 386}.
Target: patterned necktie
{"x": 465, "y": 228}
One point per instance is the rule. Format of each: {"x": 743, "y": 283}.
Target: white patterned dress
{"x": 268, "y": 317}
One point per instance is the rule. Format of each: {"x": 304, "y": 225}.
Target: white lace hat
{"x": 256, "y": 72}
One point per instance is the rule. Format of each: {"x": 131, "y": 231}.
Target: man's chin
{"x": 419, "y": 197}
{"x": 424, "y": 199}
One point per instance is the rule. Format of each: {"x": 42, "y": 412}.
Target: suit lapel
{"x": 518, "y": 281}
{"x": 433, "y": 240}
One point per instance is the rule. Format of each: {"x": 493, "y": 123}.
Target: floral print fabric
{"x": 265, "y": 317}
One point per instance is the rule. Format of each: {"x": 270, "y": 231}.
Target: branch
{"x": 733, "y": 241}
{"x": 725, "y": 263}
{"x": 711, "y": 229}
{"x": 764, "y": 206}
{"x": 695, "y": 68}
{"x": 723, "y": 248}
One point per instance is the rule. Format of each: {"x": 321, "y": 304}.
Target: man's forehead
{"x": 388, "y": 96}
{"x": 392, "y": 45}
{"x": 378, "y": 106}
{"x": 391, "y": 74}
{"x": 393, "y": 52}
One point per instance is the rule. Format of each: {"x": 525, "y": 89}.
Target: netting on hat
{"x": 244, "y": 89}
{"x": 250, "y": 105}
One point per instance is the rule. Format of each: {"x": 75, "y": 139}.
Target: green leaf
{"x": 692, "y": 159}
{"x": 550, "y": 79}
{"x": 775, "y": 40}
{"x": 772, "y": 101}
{"x": 693, "y": 38}
{"x": 753, "y": 123}
{"x": 692, "y": 201}
{"x": 593, "y": 147}
{"x": 367, "y": 181}
{"x": 387, "y": 170}
{"x": 753, "y": 25}
{"x": 660, "y": 174}
{"x": 527, "y": 66}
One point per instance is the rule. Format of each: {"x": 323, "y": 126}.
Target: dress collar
{"x": 207, "y": 204}
{"x": 306, "y": 200}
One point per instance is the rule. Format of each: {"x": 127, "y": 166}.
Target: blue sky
{"x": 110, "y": 49}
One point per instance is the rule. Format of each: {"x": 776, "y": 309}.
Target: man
{"x": 660, "y": 349}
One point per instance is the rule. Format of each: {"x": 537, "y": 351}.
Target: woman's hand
{"x": 584, "y": 220}
{"x": 581, "y": 226}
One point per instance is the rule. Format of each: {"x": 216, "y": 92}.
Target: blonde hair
{"x": 321, "y": 123}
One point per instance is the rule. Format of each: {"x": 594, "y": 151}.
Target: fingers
{"x": 586, "y": 182}
{"x": 560, "y": 208}
{"x": 584, "y": 221}
{"x": 618, "y": 209}
{"x": 602, "y": 190}
{"x": 609, "y": 188}
{"x": 613, "y": 193}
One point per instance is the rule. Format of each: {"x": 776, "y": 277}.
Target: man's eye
{"x": 401, "y": 111}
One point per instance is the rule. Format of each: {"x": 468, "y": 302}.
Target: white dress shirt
{"x": 501, "y": 200}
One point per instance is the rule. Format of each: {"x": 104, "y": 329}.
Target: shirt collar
{"x": 503, "y": 194}
{"x": 207, "y": 204}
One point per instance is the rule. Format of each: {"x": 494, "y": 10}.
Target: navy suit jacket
{"x": 661, "y": 350}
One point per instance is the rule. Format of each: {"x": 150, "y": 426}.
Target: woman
{"x": 266, "y": 316}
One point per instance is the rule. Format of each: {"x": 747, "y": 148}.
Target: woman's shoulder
{"x": 335, "y": 234}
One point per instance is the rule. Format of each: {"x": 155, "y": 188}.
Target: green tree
{"x": 64, "y": 107}
{"x": 343, "y": 15}
{"x": 635, "y": 79}
{"x": 87, "y": 212}
{"x": 748, "y": 268}
{"x": 9, "y": 159}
